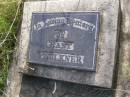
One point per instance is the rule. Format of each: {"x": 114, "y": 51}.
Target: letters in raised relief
{"x": 77, "y": 59}
{"x": 73, "y": 22}
{"x": 67, "y": 40}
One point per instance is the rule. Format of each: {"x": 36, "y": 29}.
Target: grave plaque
{"x": 61, "y": 40}
{"x": 64, "y": 39}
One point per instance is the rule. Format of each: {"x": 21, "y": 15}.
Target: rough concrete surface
{"x": 15, "y": 78}
{"x": 123, "y": 81}
{"x": 106, "y": 52}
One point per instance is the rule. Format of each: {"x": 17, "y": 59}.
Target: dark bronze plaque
{"x": 67, "y": 40}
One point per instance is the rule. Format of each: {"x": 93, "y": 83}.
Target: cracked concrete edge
{"x": 123, "y": 81}
{"x": 14, "y": 79}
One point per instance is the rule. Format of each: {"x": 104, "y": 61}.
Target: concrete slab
{"x": 107, "y": 44}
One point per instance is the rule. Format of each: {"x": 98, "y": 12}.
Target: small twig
{"x": 55, "y": 87}
{"x": 7, "y": 2}
{"x": 19, "y": 3}
{"x": 31, "y": 68}
{"x": 78, "y": 5}
{"x": 3, "y": 92}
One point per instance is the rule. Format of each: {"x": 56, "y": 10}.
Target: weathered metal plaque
{"x": 67, "y": 40}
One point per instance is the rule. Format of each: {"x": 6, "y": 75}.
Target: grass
{"x": 7, "y": 13}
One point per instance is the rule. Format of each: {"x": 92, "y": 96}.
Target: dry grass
{"x": 8, "y": 10}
